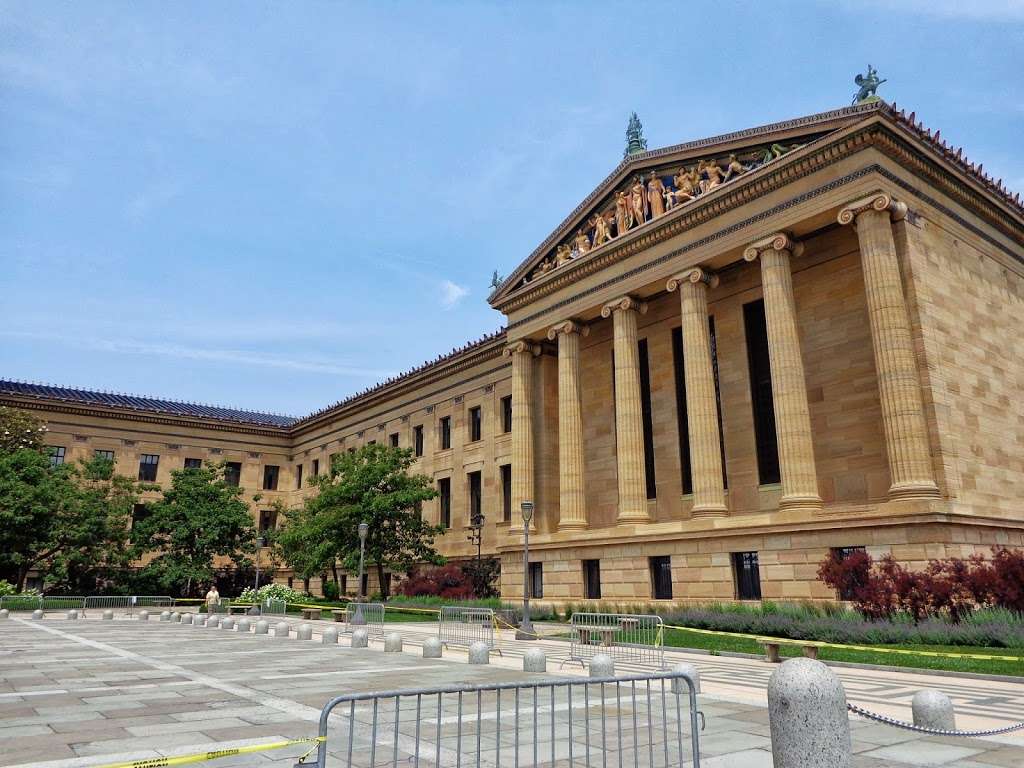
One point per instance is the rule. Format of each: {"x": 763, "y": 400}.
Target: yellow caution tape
{"x": 199, "y": 757}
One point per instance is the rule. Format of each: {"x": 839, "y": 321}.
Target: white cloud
{"x": 452, "y": 294}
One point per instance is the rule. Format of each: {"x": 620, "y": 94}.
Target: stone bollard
{"x": 479, "y": 653}
{"x": 329, "y": 636}
{"x": 282, "y": 630}
{"x": 262, "y": 627}
{"x": 227, "y": 623}
{"x": 175, "y": 618}
{"x": 4, "y": 613}
{"x": 807, "y": 717}
{"x": 360, "y": 638}
{"x": 213, "y": 622}
{"x": 187, "y": 618}
{"x": 243, "y": 626}
{"x": 37, "y": 614}
{"x": 165, "y": 615}
{"x": 304, "y": 632}
{"x": 602, "y": 665}
{"x": 678, "y": 686}
{"x": 534, "y": 660}
{"x": 393, "y": 643}
{"x": 107, "y": 615}
{"x": 431, "y": 648}
{"x": 72, "y": 614}
{"x": 143, "y": 615}
{"x": 200, "y": 620}
{"x": 933, "y": 709}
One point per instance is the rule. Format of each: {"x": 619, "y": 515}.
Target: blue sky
{"x": 273, "y": 205}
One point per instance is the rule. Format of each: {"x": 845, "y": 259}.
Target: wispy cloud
{"x": 452, "y": 294}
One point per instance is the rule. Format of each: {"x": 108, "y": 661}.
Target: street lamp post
{"x": 525, "y": 631}
{"x": 260, "y": 541}
{"x": 358, "y": 618}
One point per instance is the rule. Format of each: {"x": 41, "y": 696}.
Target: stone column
{"x": 906, "y": 433}
{"x": 572, "y": 509}
{"x": 629, "y": 429}
{"x": 522, "y": 353}
{"x": 701, "y": 403}
{"x": 789, "y": 390}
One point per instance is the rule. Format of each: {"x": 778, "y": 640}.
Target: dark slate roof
{"x": 145, "y": 404}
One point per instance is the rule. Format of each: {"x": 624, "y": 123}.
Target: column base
{"x": 802, "y": 503}
{"x": 710, "y": 510}
{"x": 572, "y": 525}
{"x": 913, "y": 490}
{"x": 633, "y": 517}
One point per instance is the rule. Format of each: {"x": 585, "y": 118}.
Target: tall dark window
{"x": 417, "y": 440}
{"x": 445, "y": 429}
{"x": 268, "y": 520}
{"x": 330, "y": 461}
{"x": 506, "y": 414}
{"x": 139, "y": 513}
{"x": 344, "y": 584}
{"x": 193, "y": 463}
{"x": 233, "y": 472}
{"x": 842, "y": 553}
{"x": 761, "y": 392}
{"x": 682, "y": 417}
{"x": 444, "y": 495}
{"x": 661, "y": 577}
{"x": 648, "y": 419}
{"x": 148, "y": 463}
{"x": 315, "y": 469}
{"x": 298, "y": 476}
{"x": 506, "y": 492}
{"x": 747, "y": 574}
{"x": 366, "y": 585}
{"x": 592, "y": 579}
{"x": 57, "y": 453}
{"x": 270, "y": 475}
{"x": 475, "y": 424}
{"x": 100, "y": 454}
{"x": 537, "y": 580}
{"x": 475, "y": 496}
{"x": 393, "y": 439}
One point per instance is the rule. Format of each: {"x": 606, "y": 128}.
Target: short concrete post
{"x": 143, "y": 615}
{"x": 262, "y": 627}
{"x": 227, "y": 623}
{"x": 431, "y": 648}
{"x": 165, "y": 615}
{"x": 213, "y": 622}
{"x": 602, "y": 665}
{"x": 282, "y": 630}
{"x": 187, "y": 618}
{"x": 304, "y": 632}
{"x": 329, "y": 636}
{"x": 534, "y": 660}
{"x": 678, "y": 686}
{"x": 360, "y": 638}
{"x": 393, "y": 643}
{"x": 200, "y": 620}
{"x": 4, "y": 613}
{"x": 479, "y": 653}
{"x": 175, "y": 618}
{"x": 243, "y": 626}
{"x": 933, "y": 709}
{"x": 72, "y": 614}
{"x": 37, "y": 614}
{"x": 107, "y": 615}
{"x": 807, "y": 717}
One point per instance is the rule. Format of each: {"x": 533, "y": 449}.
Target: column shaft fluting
{"x": 572, "y": 510}
{"x": 522, "y": 354}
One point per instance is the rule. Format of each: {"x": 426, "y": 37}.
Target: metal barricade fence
{"x": 627, "y": 637}
{"x": 647, "y": 721}
{"x": 61, "y": 602}
{"x": 128, "y": 602}
{"x": 273, "y": 607}
{"x": 372, "y": 617}
{"x": 14, "y": 603}
{"x": 465, "y": 626}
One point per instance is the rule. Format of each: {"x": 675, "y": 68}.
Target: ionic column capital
{"x": 877, "y": 201}
{"x": 523, "y": 345}
{"x": 780, "y": 241}
{"x": 695, "y": 275}
{"x": 566, "y": 327}
{"x": 622, "y": 304}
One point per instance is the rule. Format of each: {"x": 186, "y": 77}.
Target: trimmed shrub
{"x": 448, "y": 581}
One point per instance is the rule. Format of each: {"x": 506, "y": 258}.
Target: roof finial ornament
{"x": 867, "y": 85}
{"x": 635, "y": 141}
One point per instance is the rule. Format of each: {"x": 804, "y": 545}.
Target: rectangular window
{"x": 592, "y": 579}
{"x": 268, "y": 520}
{"x": 291, "y": 582}
{"x": 393, "y": 439}
{"x": 506, "y": 492}
{"x": 372, "y": 442}
{"x": 475, "y": 496}
{"x": 233, "y": 472}
{"x": 536, "y": 580}
{"x": 57, "y": 453}
{"x": 417, "y": 440}
{"x": 298, "y": 476}
{"x": 661, "y": 577}
{"x": 475, "y": 424}
{"x": 842, "y": 553}
{"x": 445, "y": 430}
{"x": 648, "y": 419}
{"x": 747, "y": 574}
{"x": 344, "y": 584}
{"x": 270, "y": 475}
{"x": 330, "y": 462}
{"x": 139, "y": 513}
{"x": 147, "y": 467}
{"x": 506, "y": 414}
{"x": 761, "y": 392}
{"x": 100, "y": 454}
{"x": 315, "y": 468}
{"x": 365, "y": 591}
{"x": 444, "y": 495}
{"x": 193, "y": 463}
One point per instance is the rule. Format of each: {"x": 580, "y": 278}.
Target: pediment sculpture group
{"x": 643, "y": 201}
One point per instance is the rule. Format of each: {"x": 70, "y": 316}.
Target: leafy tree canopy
{"x": 20, "y": 429}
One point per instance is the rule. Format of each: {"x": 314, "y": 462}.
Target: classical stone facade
{"x": 707, "y": 379}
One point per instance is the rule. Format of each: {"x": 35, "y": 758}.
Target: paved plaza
{"x": 92, "y": 692}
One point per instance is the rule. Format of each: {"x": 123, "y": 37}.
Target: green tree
{"x": 304, "y": 543}
{"x": 19, "y": 429}
{"x": 371, "y": 485}
{"x": 201, "y": 517}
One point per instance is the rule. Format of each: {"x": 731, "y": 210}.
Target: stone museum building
{"x": 734, "y": 355}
